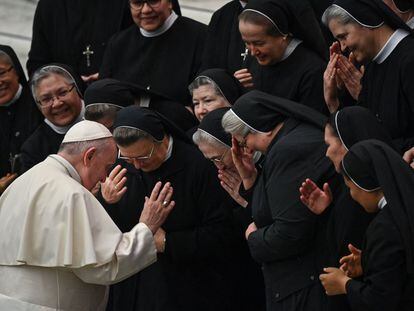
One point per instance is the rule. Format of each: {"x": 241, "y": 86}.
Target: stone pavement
{"x": 16, "y": 19}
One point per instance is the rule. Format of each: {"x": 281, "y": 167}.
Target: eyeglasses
{"x": 48, "y": 100}
{"x": 4, "y": 72}
{"x": 140, "y": 158}
{"x": 219, "y": 160}
{"x": 139, "y": 4}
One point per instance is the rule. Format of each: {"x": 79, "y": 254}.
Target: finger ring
{"x": 331, "y": 76}
{"x": 116, "y": 188}
{"x": 165, "y": 203}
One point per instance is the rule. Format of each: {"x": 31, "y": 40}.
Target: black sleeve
{"x": 106, "y": 67}
{"x": 40, "y": 50}
{"x": 207, "y": 239}
{"x": 384, "y": 275}
{"x": 213, "y": 50}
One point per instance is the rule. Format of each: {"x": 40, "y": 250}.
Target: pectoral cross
{"x": 88, "y": 52}
{"x": 245, "y": 54}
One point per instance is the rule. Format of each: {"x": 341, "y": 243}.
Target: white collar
{"x": 293, "y": 44}
{"x": 410, "y": 23}
{"x": 169, "y": 150}
{"x": 166, "y": 26}
{"x": 64, "y": 129}
{"x": 382, "y": 203}
{"x": 243, "y": 3}
{"x": 69, "y": 167}
{"x": 391, "y": 44}
{"x": 15, "y": 98}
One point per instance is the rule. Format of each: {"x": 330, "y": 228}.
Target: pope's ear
{"x": 89, "y": 155}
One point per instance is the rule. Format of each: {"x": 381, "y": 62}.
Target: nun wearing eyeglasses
{"x": 58, "y": 92}
{"x": 284, "y": 237}
{"x": 192, "y": 244}
{"x": 381, "y": 276}
{"x": 19, "y": 116}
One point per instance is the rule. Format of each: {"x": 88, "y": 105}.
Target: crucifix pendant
{"x": 245, "y": 54}
{"x": 88, "y": 52}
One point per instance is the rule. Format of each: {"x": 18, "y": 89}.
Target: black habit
{"x": 62, "y": 30}
{"x": 17, "y": 121}
{"x": 224, "y": 46}
{"x": 166, "y": 64}
{"x": 189, "y": 274}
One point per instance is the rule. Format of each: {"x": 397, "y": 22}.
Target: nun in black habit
{"x": 161, "y": 51}
{"x": 246, "y": 280}
{"x": 382, "y": 183}
{"x": 384, "y": 44}
{"x": 19, "y": 115}
{"x": 76, "y": 32}
{"x": 61, "y": 109}
{"x": 285, "y": 237}
{"x": 348, "y": 220}
{"x": 286, "y": 40}
{"x": 192, "y": 244}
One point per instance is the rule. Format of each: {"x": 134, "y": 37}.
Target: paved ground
{"x": 16, "y": 18}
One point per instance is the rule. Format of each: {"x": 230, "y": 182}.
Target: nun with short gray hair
{"x": 284, "y": 237}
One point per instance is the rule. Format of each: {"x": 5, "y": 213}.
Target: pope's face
{"x": 152, "y": 14}
{"x": 61, "y": 111}
{"x": 9, "y": 83}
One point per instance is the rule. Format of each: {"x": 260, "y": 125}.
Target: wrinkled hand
{"x": 334, "y": 281}
{"x": 114, "y": 186}
{"x": 90, "y": 78}
{"x": 350, "y": 75}
{"x": 409, "y": 157}
{"x": 330, "y": 86}
{"x": 244, "y": 77}
{"x": 231, "y": 181}
{"x": 155, "y": 212}
{"x": 250, "y": 229}
{"x": 315, "y": 199}
{"x": 5, "y": 181}
{"x": 243, "y": 160}
{"x": 335, "y": 49}
{"x": 351, "y": 264}
{"x": 159, "y": 239}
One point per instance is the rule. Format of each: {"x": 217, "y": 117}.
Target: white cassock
{"x": 59, "y": 249}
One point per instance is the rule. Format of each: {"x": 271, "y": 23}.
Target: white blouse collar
{"x": 410, "y": 23}
{"x": 293, "y": 44}
{"x": 243, "y": 3}
{"x": 382, "y": 203}
{"x": 391, "y": 44}
{"x": 166, "y": 26}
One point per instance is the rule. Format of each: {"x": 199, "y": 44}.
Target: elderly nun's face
{"x": 145, "y": 154}
{"x": 58, "y": 100}
{"x": 219, "y": 155}
{"x": 206, "y": 99}
{"x": 265, "y": 48}
{"x": 9, "y": 83}
{"x": 354, "y": 38}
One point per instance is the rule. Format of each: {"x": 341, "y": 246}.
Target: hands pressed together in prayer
{"x": 243, "y": 160}
{"x": 231, "y": 181}
{"x": 341, "y": 73}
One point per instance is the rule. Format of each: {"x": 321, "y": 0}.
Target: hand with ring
{"x": 114, "y": 186}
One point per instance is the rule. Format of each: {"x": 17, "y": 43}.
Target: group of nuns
{"x": 323, "y": 204}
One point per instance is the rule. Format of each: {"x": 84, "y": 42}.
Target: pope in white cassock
{"x": 58, "y": 247}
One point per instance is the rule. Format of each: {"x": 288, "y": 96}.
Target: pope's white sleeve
{"x": 135, "y": 251}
